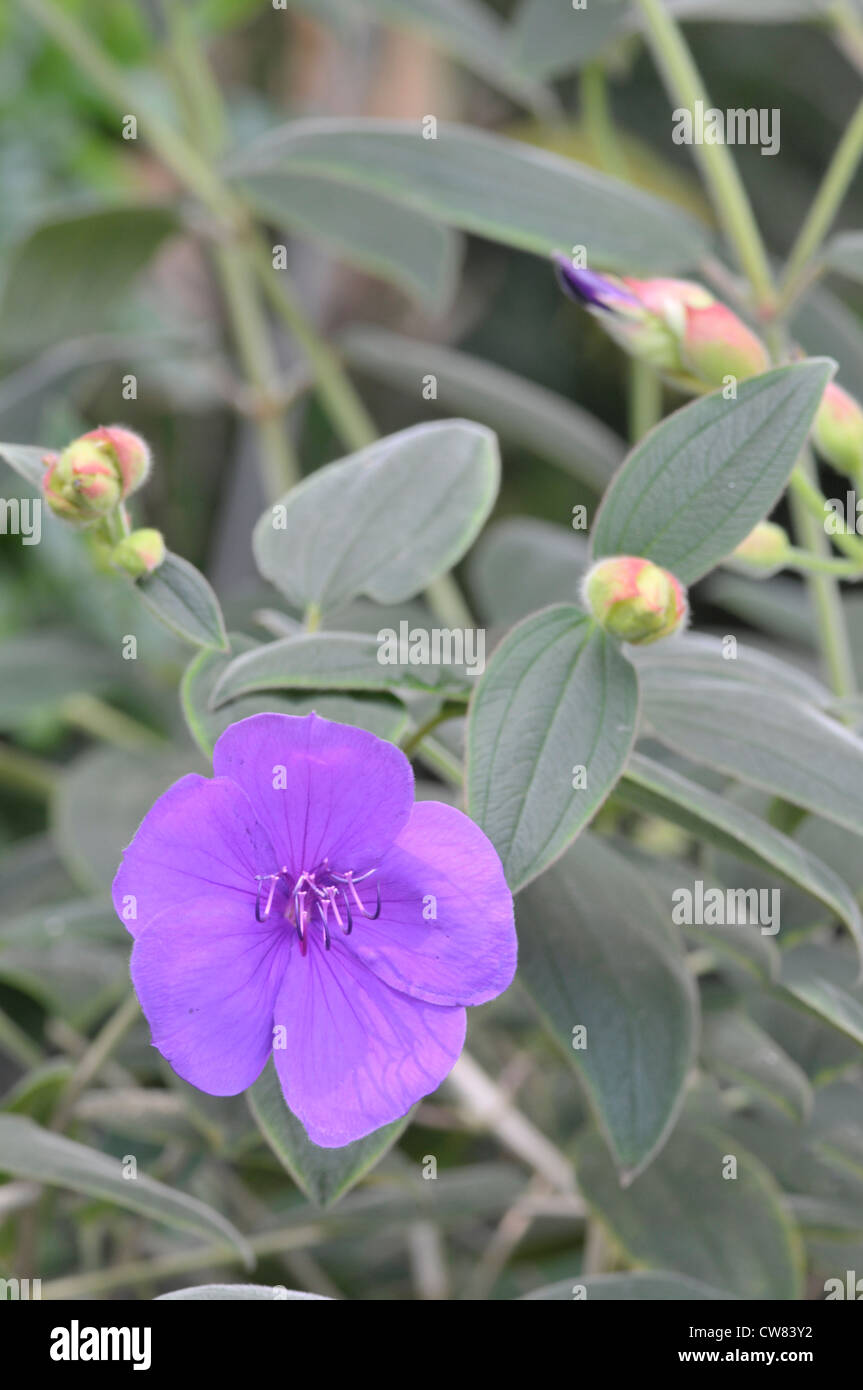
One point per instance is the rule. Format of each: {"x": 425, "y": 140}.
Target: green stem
{"x": 644, "y": 406}
{"x": 848, "y": 31}
{"x": 279, "y": 466}
{"x": 93, "y": 716}
{"x": 810, "y": 496}
{"x": 25, "y": 774}
{"x": 342, "y": 402}
{"x": 819, "y": 564}
{"x": 724, "y": 184}
{"x": 97, "y": 1054}
{"x": 828, "y": 200}
{"x": 826, "y": 596}
{"x": 411, "y": 742}
{"x": 599, "y": 121}
{"x": 313, "y": 617}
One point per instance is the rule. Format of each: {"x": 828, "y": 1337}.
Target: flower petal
{"x": 201, "y": 835}
{"x": 441, "y": 863}
{"x": 357, "y": 1054}
{"x": 321, "y": 789}
{"x": 207, "y": 976}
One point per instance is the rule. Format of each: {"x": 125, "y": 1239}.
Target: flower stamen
{"x": 322, "y": 888}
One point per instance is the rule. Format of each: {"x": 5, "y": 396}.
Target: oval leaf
{"x": 180, "y": 596}
{"x": 489, "y": 185}
{"x": 557, "y": 705}
{"x": 384, "y": 522}
{"x": 699, "y": 482}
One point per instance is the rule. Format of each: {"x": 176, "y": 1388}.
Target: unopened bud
{"x": 765, "y": 549}
{"x": 635, "y": 599}
{"x": 95, "y": 472}
{"x": 677, "y": 326}
{"x": 838, "y": 431}
{"x": 140, "y": 553}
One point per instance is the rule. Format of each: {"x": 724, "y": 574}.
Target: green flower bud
{"x": 635, "y": 599}
{"x": 838, "y": 431}
{"x": 765, "y": 549}
{"x": 140, "y": 553}
{"x": 96, "y": 472}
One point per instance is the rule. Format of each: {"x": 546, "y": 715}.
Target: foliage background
{"x": 88, "y": 743}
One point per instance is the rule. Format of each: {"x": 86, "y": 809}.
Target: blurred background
{"x": 87, "y": 302}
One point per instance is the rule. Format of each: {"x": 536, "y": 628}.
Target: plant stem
{"x": 95, "y": 1057}
{"x": 644, "y": 399}
{"x": 279, "y": 467}
{"x": 25, "y": 774}
{"x": 94, "y": 716}
{"x": 826, "y": 595}
{"x": 593, "y": 89}
{"x": 826, "y": 204}
{"x": 721, "y": 177}
{"x": 803, "y": 487}
{"x": 342, "y": 402}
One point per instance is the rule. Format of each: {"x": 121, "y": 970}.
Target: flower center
{"x": 316, "y": 897}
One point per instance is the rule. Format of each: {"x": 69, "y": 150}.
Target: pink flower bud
{"x": 635, "y": 599}
{"x": 140, "y": 553}
{"x": 838, "y": 430}
{"x": 95, "y": 472}
{"x": 765, "y": 549}
{"x": 128, "y": 451}
{"x": 81, "y": 484}
{"x": 677, "y": 326}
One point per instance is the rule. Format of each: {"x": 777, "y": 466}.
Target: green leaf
{"x": 26, "y": 1151}
{"x": 332, "y": 661}
{"x": 181, "y": 598}
{"x": 324, "y": 1175}
{"x": 557, "y": 696}
{"x": 699, "y": 482}
{"x": 653, "y": 1284}
{"x": 658, "y": 790}
{"x": 771, "y": 741}
{"x": 748, "y": 11}
{"x": 238, "y": 1293}
{"x": 27, "y": 459}
{"x": 740, "y": 1052}
{"x": 375, "y": 234}
{"x": 383, "y": 522}
{"x": 77, "y": 268}
{"x": 595, "y": 951}
{"x": 819, "y": 979}
{"x": 695, "y": 654}
{"x": 683, "y": 1215}
{"x": 382, "y": 715}
{"x": 827, "y": 328}
{"x": 486, "y": 184}
{"x": 549, "y": 38}
{"x": 99, "y": 802}
{"x": 516, "y": 409}
{"x": 522, "y": 564}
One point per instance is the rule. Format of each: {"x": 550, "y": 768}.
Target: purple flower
{"x": 299, "y": 902}
{"x": 591, "y": 289}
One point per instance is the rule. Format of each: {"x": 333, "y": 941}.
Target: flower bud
{"x": 676, "y": 326}
{"x": 838, "y": 430}
{"x": 90, "y": 477}
{"x": 140, "y": 553}
{"x": 635, "y": 599}
{"x": 765, "y": 549}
